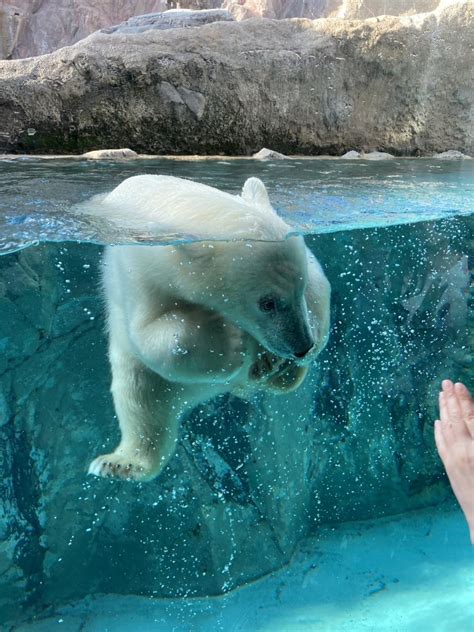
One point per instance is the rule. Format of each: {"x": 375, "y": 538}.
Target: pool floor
{"x": 411, "y": 573}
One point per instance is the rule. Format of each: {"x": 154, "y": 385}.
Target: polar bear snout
{"x": 291, "y": 338}
{"x": 298, "y": 334}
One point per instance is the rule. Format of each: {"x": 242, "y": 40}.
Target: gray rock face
{"x": 250, "y": 479}
{"x": 298, "y": 87}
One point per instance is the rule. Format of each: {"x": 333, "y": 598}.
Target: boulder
{"x": 110, "y": 154}
{"x": 269, "y": 154}
{"x": 377, "y": 155}
{"x": 451, "y": 154}
{"x": 401, "y": 84}
{"x": 351, "y": 155}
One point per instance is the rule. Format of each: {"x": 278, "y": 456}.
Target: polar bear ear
{"x": 254, "y": 192}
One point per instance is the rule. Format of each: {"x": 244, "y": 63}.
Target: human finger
{"x": 466, "y": 405}
{"x": 451, "y": 414}
{"x": 443, "y": 409}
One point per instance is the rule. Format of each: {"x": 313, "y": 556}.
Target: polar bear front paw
{"x": 277, "y": 374}
{"x": 265, "y": 365}
{"x": 120, "y": 466}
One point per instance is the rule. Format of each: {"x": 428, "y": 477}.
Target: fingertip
{"x": 447, "y": 385}
{"x": 460, "y": 389}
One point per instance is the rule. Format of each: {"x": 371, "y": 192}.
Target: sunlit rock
{"x": 377, "y": 155}
{"x": 351, "y": 155}
{"x": 269, "y": 154}
{"x": 346, "y": 9}
{"x": 451, "y": 154}
{"x": 30, "y": 29}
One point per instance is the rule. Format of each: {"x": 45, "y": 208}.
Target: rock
{"x": 451, "y": 154}
{"x": 110, "y": 154}
{"x": 363, "y": 9}
{"x": 376, "y": 155}
{"x": 35, "y": 28}
{"x": 269, "y": 154}
{"x": 29, "y": 29}
{"x": 172, "y": 19}
{"x": 349, "y": 9}
{"x": 319, "y": 87}
{"x": 250, "y": 479}
{"x": 351, "y": 155}
{"x": 198, "y": 5}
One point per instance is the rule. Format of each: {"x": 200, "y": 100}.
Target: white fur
{"x": 183, "y": 207}
{"x": 186, "y": 322}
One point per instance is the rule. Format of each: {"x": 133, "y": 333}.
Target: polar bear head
{"x": 264, "y": 294}
{"x": 259, "y": 284}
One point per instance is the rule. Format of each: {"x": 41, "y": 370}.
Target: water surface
{"x": 314, "y": 196}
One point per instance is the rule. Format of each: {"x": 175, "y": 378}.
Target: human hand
{"x": 454, "y": 436}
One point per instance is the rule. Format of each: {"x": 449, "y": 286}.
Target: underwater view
{"x": 317, "y": 500}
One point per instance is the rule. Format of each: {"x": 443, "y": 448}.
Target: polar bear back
{"x": 176, "y": 205}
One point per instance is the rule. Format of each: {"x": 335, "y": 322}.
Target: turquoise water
{"x": 314, "y": 196}
{"x": 343, "y": 472}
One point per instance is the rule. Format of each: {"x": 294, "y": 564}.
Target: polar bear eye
{"x": 267, "y": 304}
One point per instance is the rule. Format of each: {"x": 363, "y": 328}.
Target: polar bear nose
{"x": 301, "y": 354}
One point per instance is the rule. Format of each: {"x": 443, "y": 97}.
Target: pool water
{"x": 333, "y": 494}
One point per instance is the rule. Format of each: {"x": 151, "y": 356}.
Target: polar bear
{"x": 248, "y": 310}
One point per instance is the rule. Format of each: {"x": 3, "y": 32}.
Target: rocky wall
{"x": 29, "y": 28}
{"x": 402, "y": 85}
{"x": 250, "y": 479}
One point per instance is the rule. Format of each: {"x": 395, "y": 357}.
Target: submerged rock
{"x": 321, "y": 87}
{"x": 269, "y": 154}
{"x": 110, "y": 154}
